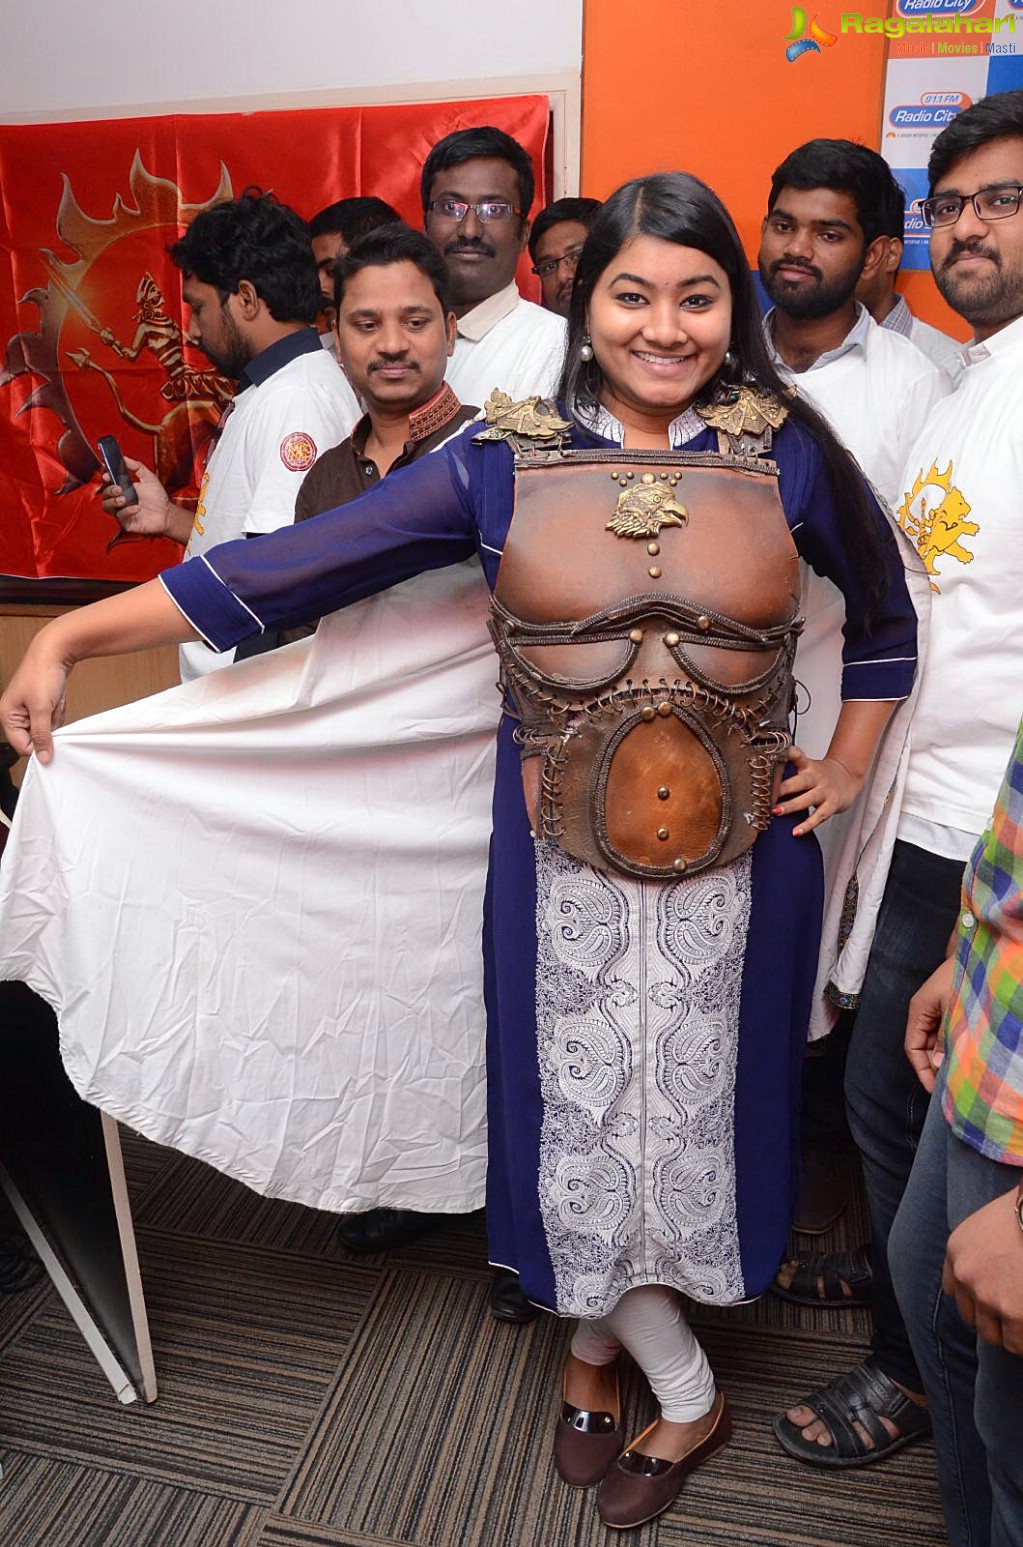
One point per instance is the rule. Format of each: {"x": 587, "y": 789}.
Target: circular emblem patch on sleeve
{"x": 298, "y": 451}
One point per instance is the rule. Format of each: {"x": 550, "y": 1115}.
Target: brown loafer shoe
{"x": 637, "y": 1488}
{"x": 585, "y": 1443}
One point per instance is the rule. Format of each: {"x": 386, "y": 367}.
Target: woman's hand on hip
{"x": 822, "y": 786}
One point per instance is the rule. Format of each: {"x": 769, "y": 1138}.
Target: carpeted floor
{"x": 312, "y": 1399}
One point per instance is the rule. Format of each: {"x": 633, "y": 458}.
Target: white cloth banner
{"x": 255, "y": 901}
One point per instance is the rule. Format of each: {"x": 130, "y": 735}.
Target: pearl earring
{"x": 586, "y": 349}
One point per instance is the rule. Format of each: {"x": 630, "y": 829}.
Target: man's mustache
{"x": 795, "y": 263}
{"x": 976, "y": 246}
{"x": 479, "y": 245}
{"x": 390, "y": 363}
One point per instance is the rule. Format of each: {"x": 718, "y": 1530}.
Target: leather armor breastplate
{"x": 645, "y": 615}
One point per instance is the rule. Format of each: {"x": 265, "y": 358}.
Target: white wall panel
{"x": 63, "y": 59}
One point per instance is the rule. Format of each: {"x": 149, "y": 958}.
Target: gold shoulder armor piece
{"x": 534, "y": 418}
{"x": 746, "y": 412}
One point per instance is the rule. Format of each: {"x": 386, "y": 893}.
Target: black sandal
{"x": 864, "y": 1396}
{"x": 819, "y": 1278}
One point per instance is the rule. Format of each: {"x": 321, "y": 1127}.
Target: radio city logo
{"x": 945, "y": 8}
{"x": 934, "y": 110}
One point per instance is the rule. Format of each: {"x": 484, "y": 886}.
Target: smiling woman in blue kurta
{"x": 645, "y": 1037}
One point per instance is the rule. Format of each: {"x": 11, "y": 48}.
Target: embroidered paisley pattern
{"x": 638, "y": 988}
{"x": 584, "y": 920}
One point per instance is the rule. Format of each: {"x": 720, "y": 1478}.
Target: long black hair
{"x": 677, "y": 207}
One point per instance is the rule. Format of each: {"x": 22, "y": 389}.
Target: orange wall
{"x": 704, "y": 85}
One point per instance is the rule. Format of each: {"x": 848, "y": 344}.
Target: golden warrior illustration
{"x": 72, "y": 297}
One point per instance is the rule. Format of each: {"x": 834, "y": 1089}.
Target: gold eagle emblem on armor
{"x": 534, "y": 418}
{"x": 642, "y": 511}
{"x": 747, "y": 413}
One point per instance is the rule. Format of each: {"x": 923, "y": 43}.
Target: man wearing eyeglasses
{"x": 555, "y": 243}
{"x": 477, "y": 189}
{"x": 961, "y": 504}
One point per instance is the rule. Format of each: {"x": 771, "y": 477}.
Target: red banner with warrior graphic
{"x": 91, "y": 318}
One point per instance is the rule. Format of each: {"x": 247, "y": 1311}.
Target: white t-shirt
{"x": 962, "y": 504}
{"x": 507, "y": 343}
{"x": 278, "y": 426}
{"x": 876, "y": 390}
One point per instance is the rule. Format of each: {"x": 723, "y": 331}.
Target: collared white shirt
{"x": 602, "y": 422}
{"x": 961, "y": 504}
{"x": 507, "y": 343}
{"x": 855, "y": 338}
{"x": 876, "y": 390}
{"x": 946, "y": 352}
{"x": 278, "y": 425}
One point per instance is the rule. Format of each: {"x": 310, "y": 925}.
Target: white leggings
{"x": 649, "y": 1322}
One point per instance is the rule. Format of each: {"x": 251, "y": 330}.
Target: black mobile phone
{"x": 114, "y": 463}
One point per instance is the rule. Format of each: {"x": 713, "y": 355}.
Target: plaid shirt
{"x": 900, "y": 318}
{"x": 984, "y": 1028}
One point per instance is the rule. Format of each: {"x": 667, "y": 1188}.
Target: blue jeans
{"x": 885, "y": 1100}
{"x": 974, "y": 1389}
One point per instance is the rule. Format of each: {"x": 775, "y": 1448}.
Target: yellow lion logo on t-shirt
{"x": 933, "y": 516}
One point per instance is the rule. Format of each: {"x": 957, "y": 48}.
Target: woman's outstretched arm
{"x": 33, "y": 702}
{"x": 420, "y": 517}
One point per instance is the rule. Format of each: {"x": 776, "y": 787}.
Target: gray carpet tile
{"x": 190, "y": 1198}
{"x": 143, "y": 1163}
{"x": 313, "y": 1398}
{"x": 185, "y": 1196}
{"x": 280, "y": 1532}
{"x": 18, "y": 1311}
{"x": 756, "y": 1493}
{"x": 245, "y": 1344}
{"x": 437, "y": 1434}
{"x": 437, "y": 1393}
{"x": 45, "y": 1503}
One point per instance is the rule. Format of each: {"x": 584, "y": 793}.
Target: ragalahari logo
{"x": 804, "y": 39}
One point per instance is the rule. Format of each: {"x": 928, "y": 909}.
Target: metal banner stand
{"x": 62, "y": 1170}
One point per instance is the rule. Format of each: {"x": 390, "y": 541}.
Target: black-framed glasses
{"x": 996, "y": 203}
{"x": 488, "y": 210}
{"x": 551, "y": 266}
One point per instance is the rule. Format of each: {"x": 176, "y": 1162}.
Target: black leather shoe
{"x": 381, "y": 1230}
{"x": 507, "y": 1300}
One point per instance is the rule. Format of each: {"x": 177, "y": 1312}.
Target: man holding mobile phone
{"x": 250, "y": 282}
